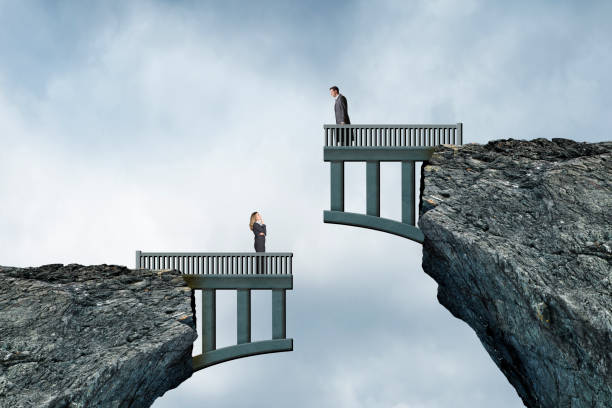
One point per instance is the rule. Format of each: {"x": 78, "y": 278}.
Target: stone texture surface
{"x": 92, "y": 336}
{"x": 518, "y": 236}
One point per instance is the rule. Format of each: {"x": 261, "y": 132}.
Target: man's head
{"x": 334, "y": 91}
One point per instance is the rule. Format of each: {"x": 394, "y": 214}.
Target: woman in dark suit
{"x": 259, "y": 231}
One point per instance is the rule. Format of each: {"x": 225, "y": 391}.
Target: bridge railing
{"x": 207, "y": 272}
{"x": 374, "y": 144}
{"x": 392, "y": 135}
{"x": 218, "y": 263}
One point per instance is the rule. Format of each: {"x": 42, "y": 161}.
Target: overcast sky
{"x": 163, "y": 125}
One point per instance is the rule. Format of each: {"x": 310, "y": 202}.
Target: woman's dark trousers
{"x": 260, "y": 246}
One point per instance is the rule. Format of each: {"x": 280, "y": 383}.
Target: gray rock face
{"x": 518, "y": 236}
{"x": 94, "y": 336}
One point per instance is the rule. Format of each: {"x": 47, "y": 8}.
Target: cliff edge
{"x": 518, "y": 235}
{"x": 92, "y": 336}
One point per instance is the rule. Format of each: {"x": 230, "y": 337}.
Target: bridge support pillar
{"x": 373, "y": 188}
{"x": 337, "y": 185}
{"x": 408, "y": 213}
{"x": 209, "y": 317}
{"x": 243, "y": 332}
{"x": 279, "y": 314}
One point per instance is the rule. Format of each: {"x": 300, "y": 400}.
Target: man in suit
{"x": 342, "y": 117}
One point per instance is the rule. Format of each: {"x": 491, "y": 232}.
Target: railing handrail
{"x": 393, "y": 126}
{"x": 286, "y": 254}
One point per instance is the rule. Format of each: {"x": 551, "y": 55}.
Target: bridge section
{"x": 373, "y": 144}
{"x": 243, "y": 272}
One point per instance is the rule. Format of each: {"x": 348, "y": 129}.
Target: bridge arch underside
{"x": 338, "y": 155}
{"x": 243, "y": 284}
{"x": 221, "y": 355}
{"x": 374, "y": 223}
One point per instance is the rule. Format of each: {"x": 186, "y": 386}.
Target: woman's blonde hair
{"x": 253, "y": 219}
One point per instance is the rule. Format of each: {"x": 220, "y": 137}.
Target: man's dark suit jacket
{"x": 341, "y": 110}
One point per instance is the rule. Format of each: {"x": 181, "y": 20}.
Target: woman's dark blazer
{"x": 260, "y": 240}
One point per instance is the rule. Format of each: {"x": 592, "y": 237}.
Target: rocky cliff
{"x": 518, "y": 235}
{"x": 95, "y": 336}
